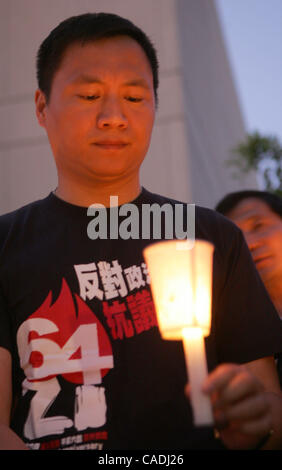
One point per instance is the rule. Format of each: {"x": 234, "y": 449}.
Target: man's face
{"x": 101, "y": 110}
{"x": 263, "y": 232}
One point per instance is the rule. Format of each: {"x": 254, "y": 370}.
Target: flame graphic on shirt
{"x": 67, "y": 320}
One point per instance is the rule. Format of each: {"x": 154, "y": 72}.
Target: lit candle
{"x": 181, "y": 283}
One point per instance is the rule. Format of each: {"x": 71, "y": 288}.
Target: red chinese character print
{"x": 118, "y": 323}
{"x": 142, "y": 310}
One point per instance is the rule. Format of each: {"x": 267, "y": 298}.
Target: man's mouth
{"x": 111, "y": 144}
{"x": 261, "y": 259}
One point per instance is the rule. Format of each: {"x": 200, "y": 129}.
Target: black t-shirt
{"x": 90, "y": 369}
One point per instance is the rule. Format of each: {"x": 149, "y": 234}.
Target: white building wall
{"x": 213, "y": 119}
{"x": 198, "y": 118}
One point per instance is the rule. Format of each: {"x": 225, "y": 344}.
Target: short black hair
{"x": 83, "y": 29}
{"x": 226, "y": 204}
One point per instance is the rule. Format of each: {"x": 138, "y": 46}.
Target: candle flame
{"x": 181, "y": 282}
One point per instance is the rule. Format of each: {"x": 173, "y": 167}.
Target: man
{"x": 78, "y": 327}
{"x": 259, "y": 215}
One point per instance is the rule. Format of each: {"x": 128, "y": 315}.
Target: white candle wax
{"x": 195, "y": 355}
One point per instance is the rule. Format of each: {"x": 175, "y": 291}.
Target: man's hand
{"x": 8, "y": 439}
{"x": 242, "y": 409}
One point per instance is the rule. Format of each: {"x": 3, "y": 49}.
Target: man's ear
{"x": 40, "y": 107}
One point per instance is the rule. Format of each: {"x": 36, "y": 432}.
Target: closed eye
{"x": 257, "y": 225}
{"x": 134, "y": 99}
{"x": 89, "y": 97}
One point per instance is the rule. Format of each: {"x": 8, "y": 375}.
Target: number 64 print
{"x": 42, "y": 359}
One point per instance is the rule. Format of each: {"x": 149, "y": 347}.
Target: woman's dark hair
{"x": 83, "y": 29}
{"x": 226, "y": 204}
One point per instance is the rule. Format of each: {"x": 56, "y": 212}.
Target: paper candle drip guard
{"x": 181, "y": 283}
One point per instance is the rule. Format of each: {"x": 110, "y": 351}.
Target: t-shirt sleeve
{"x": 247, "y": 324}
{"x": 5, "y": 326}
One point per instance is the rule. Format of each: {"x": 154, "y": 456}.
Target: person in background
{"x": 259, "y": 215}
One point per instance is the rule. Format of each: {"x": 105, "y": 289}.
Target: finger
{"x": 240, "y": 386}
{"x": 258, "y": 426}
{"x": 187, "y": 390}
{"x": 219, "y": 377}
{"x": 220, "y": 419}
{"x": 249, "y": 409}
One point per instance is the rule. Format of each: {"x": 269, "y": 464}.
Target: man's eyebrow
{"x": 249, "y": 217}
{"x": 138, "y": 82}
{"x": 89, "y": 79}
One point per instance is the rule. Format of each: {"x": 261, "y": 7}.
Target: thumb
{"x": 187, "y": 390}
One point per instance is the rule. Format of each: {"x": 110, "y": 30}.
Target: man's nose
{"x": 111, "y": 115}
{"x": 254, "y": 241}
